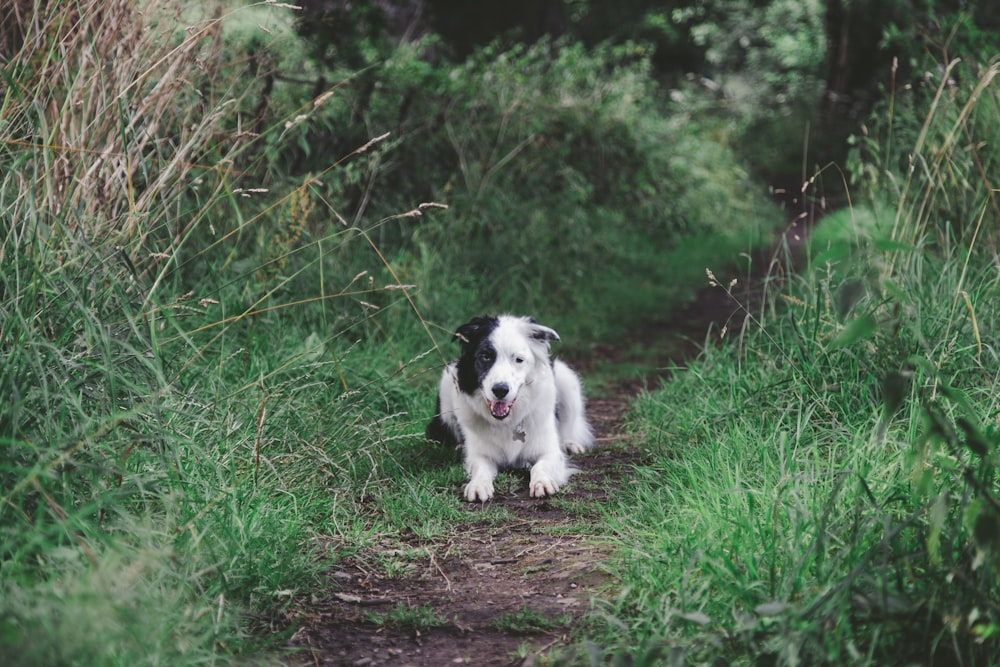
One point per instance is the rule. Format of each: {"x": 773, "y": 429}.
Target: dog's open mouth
{"x": 500, "y": 409}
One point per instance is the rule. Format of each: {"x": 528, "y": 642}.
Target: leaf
{"x": 958, "y": 397}
{"x": 938, "y": 424}
{"x": 937, "y": 517}
{"x": 313, "y": 349}
{"x": 922, "y": 363}
{"x": 859, "y": 329}
{"x": 848, "y": 296}
{"x": 833, "y": 255}
{"x": 984, "y": 631}
{"x": 896, "y": 291}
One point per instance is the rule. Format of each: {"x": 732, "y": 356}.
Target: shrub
{"x": 568, "y": 187}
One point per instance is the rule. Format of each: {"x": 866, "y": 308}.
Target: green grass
{"x": 216, "y": 384}
{"x": 172, "y": 443}
{"x": 789, "y": 514}
{"x": 219, "y": 346}
{"x": 822, "y": 487}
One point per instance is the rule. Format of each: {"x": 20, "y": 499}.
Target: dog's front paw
{"x": 481, "y": 490}
{"x": 571, "y": 447}
{"x": 542, "y": 486}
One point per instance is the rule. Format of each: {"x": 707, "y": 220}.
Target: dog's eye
{"x": 518, "y": 360}
{"x": 486, "y": 355}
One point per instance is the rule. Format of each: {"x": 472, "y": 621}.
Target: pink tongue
{"x": 500, "y": 409}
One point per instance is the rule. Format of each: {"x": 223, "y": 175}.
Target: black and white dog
{"x": 508, "y": 404}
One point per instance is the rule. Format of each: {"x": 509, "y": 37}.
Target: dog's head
{"x": 500, "y": 356}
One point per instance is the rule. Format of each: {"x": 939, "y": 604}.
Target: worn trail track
{"x": 481, "y": 581}
{"x": 509, "y": 591}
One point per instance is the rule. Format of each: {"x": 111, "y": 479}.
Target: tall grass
{"x": 823, "y": 488}
{"x": 170, "y": 433}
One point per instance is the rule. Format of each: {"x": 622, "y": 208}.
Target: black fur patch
{"x": 478, "y": 353}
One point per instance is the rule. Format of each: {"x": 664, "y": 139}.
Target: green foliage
{"x": 213, "y": 331}
{"x": 225, "y": 263}
{"x": 936, "y": 168}
{"x": 551, "y": 161}
{"x": 178, "y": 418}
{"x": 823, "y": 488}
{"x": 923, "y": 33}
{"x": 752, "y": 72}
{"x": 777, "y": 47}
{"x": 559, "y": 170}
{"x": 810, "y": 502}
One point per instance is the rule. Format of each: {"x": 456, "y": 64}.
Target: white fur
{"x": 530, "y": 435}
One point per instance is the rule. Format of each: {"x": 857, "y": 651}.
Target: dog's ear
{"x": 471, "y": 329}
{"x": 541, "y": 332}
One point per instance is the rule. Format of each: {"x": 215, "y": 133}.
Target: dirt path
{"x": 505, "y": 592}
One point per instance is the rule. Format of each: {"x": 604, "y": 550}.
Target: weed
{"x": 408, "y": 617}
{"x": 529, "y": 621}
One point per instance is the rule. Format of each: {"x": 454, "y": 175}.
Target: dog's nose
{"x": 501, "y": 389}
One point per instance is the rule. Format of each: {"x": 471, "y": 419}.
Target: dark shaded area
{"x": 872, "y": 46}
{"x": 467, "y": 25}
{"x": 14, "y": 16}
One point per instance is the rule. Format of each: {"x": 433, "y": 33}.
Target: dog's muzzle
{"x": 500, "y": 407}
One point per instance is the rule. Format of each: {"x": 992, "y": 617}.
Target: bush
{"x": 568, "y": 188}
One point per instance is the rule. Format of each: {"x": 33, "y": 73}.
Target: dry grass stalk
{"x": 110, "y": 111}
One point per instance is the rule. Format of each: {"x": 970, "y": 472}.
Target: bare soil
{"x": 509, "y": 592}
